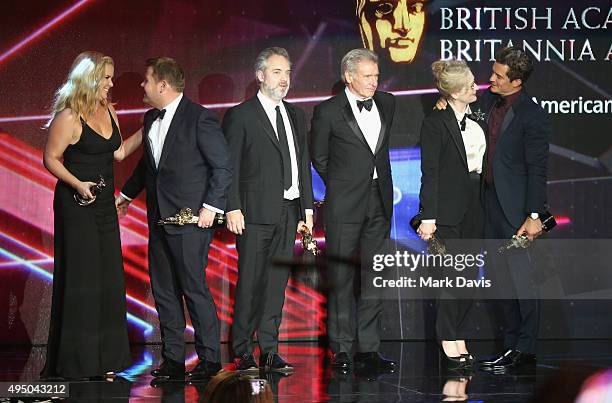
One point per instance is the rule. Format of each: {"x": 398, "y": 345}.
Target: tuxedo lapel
{"x": 487, "y": 106}
{"x": 483, "y": 125}
{"x": 507, "y": 120}
{"x": 293, "y": 123}
{"x": 174, "y": 126}
{"x": 147, "y": 143}
{"x": 347, "y": 112}
{"x": 451, "y": 124}
{"x": 265, "y": 122}
{"x": 511, "y": 114}
{"x": 383, "y": 123}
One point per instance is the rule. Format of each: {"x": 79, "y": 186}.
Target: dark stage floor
{"x": 561, "y": 367}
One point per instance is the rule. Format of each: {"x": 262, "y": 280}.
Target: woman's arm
{"x": 65, "y": 129}
{"x": 431, "y": 145}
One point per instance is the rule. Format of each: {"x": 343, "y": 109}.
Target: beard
{"x": 276, "y": 93}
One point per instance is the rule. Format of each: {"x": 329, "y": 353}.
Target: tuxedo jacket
{"x": 521, "y": 155}
{"x": 344, "y": 160}
{"x": 445, "y": 183}
{"x": 194, "y": 167}
{"x": 257, "y": 187}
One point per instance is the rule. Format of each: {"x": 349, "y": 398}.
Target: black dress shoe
{"x": 272, "y": 362}
{"x": 170, "y": 369}
{"x": 341, "y": 361}
{"x": 168, "y": 386}
{"x": 510, "y": 358}
{"x": 204, "y": 370}
{"x": 246, "y": 364}
{"x": 105, "y": 378}
{"x": 375, "y": 361}
{"x": 469, "y": 357}
{"x": 454, "y": 363}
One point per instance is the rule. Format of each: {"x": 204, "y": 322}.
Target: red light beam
{"x": 38, "y": 32}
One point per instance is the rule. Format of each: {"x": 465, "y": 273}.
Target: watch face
{"x": 535, "y": 216}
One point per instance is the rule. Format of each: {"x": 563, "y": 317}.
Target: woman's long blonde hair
{"x": 80, "y": 90}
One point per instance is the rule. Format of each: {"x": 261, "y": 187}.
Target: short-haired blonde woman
{"x": 452, "y": 156}
{"x": 88, "y": 331}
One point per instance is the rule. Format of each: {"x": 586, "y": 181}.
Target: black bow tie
{"x": 365, "y": 104}
{"x": 157, "y": 114}
{"x": 462, "y": 123}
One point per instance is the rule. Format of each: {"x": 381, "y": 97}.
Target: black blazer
{"x": 445, "y": 182}
{"x": 521, "y": 157}
{"x": 257, "y": 186}
{"x": 343, "y": 159}
{"x": 194, "y": 166}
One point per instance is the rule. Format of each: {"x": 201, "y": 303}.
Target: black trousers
{"x": 260, "y": 291}
{"x": 177, "y": 270}
{"x": 454, "y": 306}
{"x": 522, "y": 315}
{"x": 349, "y": 314}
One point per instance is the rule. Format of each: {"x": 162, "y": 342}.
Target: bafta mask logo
{"x": 394, "y": 25}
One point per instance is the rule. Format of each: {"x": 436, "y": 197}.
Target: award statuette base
{"x": 435, "y": 246}
{"x": 516, "y": 242}
{"x": 185, "y": 216}
{"x": 309, "y": 244}
{"x": 521, "y": 241}
{"x": 95, "y": 191}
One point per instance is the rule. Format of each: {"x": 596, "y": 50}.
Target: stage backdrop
{"x": 216, "y": 42}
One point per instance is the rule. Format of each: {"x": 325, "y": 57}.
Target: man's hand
{"x": 122, "y": 204}
{"x": 309, "y": 223}
{"x": 206, "y": 218}
{"x": 531, "y": 228}
{"x": 426, "y": 230}
{"x": 234, "y": 221}
{"x": 441, "y": 104}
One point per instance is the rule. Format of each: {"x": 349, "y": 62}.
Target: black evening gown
{"x": 88, "y": 328}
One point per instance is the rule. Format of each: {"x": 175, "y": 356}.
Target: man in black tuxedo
{"x": 515, "y": 194}
{"x": 268, "y": 202}
{"x": 350, "y": 151}
{"x": 185, "y": 164}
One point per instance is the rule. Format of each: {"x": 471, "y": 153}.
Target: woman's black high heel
{"x": 469, "y": 358}
{"x": 452, "y": 362}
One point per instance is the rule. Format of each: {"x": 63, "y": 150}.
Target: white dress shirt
{"x": 159, "y": 129}
{"x": 270, "y": 108}
{"x": 157, "y": 136}
{"x": 473, "y": 140}
{"x": 368, "y": 121}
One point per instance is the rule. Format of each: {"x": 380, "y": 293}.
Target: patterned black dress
{"x": 88, "y": 329}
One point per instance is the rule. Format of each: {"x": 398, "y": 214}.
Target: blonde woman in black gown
{"x": 88, "y": 334}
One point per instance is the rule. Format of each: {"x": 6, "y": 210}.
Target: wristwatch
{"x": 534, "y": 216}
